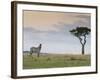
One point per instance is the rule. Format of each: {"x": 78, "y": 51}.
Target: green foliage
{"x": 80, "y": 31}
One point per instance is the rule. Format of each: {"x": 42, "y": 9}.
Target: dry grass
{"x": 55, "y": 60}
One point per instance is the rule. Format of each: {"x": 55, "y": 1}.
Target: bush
{"x": 48, "y": 59}
{"x": 35, "y": 59}
{"x": 72, "y": 58}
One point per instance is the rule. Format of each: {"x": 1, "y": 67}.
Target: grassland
{"x": 55, "y": 60}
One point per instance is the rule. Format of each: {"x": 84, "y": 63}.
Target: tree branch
{"x": 80, "y": 40}
{"x": 84, "y": 39}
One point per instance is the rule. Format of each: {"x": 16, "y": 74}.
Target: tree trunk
{"x": 83, "y": 50}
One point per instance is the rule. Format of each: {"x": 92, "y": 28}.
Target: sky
{"x": 51, "y": 29}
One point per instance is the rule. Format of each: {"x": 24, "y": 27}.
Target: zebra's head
{"x": 40, "y": 45}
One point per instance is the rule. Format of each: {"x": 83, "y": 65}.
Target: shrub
{"x": 48, "y": 59}
{"x": 35, "y": 59}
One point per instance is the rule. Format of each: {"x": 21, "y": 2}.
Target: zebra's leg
{"x": 38, "y": 54}
{"x": 31, "y": 53}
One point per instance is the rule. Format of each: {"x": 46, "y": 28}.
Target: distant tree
{"x": 81, "y": 33}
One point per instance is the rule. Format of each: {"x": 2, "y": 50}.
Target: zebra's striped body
{"x": 35, "y": 50}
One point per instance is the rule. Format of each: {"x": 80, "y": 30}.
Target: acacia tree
{"x": 81, "y": 33}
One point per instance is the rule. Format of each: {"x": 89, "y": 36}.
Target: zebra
{"x": 36, "y": 50}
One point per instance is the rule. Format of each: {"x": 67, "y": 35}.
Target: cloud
{"x": 54, "y": 21}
